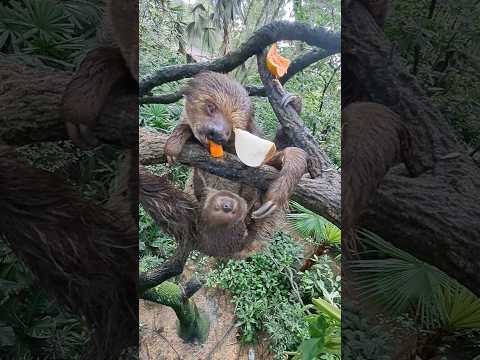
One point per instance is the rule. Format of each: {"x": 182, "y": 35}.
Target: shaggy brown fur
{"x": 112, "y": 67}
{"x": 373, "y": 140}
{"x": 215, "y": 105}
{"x": 80, "y": 252}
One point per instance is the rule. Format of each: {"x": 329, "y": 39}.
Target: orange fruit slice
{"x": 216, "y": 150}
{"x": 276, "y": 64}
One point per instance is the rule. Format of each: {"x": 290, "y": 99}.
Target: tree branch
{"x": 298, "y": 65}
{"x": 434, "y": 215}
{"x": 321, "y": 195}
{"x": 369, "y": 56}
{"x": 36, "y": 117}
{"x": 266, "y": 35}
{"x": 292, "y": 125}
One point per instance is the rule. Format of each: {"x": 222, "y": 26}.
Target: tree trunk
{"x": 30, "y": 102}
{"x": 434, "y": 216}
{"x": 192, "y": 323}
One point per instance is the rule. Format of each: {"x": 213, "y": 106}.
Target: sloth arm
{"x": 177, "y": 139}
{"x": 292, "y": 163}
{"x": 87, "y": 92}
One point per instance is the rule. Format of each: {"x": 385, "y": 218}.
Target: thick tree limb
{"x": 435, "y": 215}
{"x": 30, "y": 102}
{"x": 295, "y": 67}
{"x": 266, "y": 35}
{"x": 292, "y": 125}
{"x": 321, "y": 195}
{"x": 379, "y": 70}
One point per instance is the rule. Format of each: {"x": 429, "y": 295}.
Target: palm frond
{"x": 462, "y": 309}
{"x": 402, "y": 282}
{"x": 311, "y": 225}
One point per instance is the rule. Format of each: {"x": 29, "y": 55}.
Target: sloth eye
{"x": 210, "y": 108}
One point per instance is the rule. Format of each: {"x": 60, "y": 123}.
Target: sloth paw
{"x": 265, "y": 210}
{"x": 172, "y": 152}
{"x": 294, "y": 100}
{"x": 81, "y": 136}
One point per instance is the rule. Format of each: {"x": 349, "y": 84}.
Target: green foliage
{"x": 52, "y": 31}
{"x": 287, "y": 328}
{"x": 257, "y": 284}
{"x": 363, "y": 340}
{"x": 324, "y": 332}
{"x": 154, "y": 246}
{"x": 321, "y": 281}
{"x": 400, "y": 282}
{"x": 311, "y": 225}
{"x": 441, "y": 46}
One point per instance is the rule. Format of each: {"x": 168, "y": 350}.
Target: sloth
{"x": 111, "y": 68}
{"x": 215, "y": 104}
{"x": 232, "y": 220}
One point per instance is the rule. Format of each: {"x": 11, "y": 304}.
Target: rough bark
{"x": 268, "y": 34}
{"x": 321, "y": 195}
{"x": 295, "y": 67}
{"x": 434, "y": 216}
{"x": 292, "y": 125}
{"x": 30, "y": 101}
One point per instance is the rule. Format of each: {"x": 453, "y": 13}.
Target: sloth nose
{"x": 227, "y": 205}
{"x": 217, "y": 134}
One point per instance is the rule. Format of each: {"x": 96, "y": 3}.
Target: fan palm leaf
{"x": 311, "y": 225}
{"x": 402, "y": 282}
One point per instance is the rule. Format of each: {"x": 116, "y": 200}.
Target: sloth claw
{"x": 81, "y": 136}
{"x": 265, "y": 210}
{"x": 171, "y": 159}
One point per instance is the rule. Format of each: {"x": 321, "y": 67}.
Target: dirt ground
{"x": 159, "y": 341}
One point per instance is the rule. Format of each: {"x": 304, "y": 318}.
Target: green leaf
{"x": 328, "y": 309}
{"x": 311, "y": 348}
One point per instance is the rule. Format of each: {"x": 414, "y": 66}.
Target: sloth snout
{"x": 227, "y": 205}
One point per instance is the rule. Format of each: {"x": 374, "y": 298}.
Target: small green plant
{"x": 363, "y": 340}
{"x": 287, "y": 328}
{"x": 324, "y": 332}
{"x": 51, "y": 31}
{"x": 258, "y": 284}
{"x": 321, "y": 281}
{"x": 32, "y": 325}
{"x": 311, "y": 225}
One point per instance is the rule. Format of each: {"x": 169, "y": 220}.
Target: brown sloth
{"x": 233, "y": 220}
{"x": 110, "y": 68}
{"x": 215, "y": 104}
